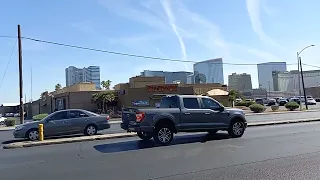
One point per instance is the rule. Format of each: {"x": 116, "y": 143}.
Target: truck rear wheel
{"x": 144, "y": 136}
{"x": 163, "y": 134}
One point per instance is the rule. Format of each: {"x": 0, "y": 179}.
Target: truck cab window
{"x": 191, "y": 103}
{"x": 209, "y": 104}
{"x": 169, "y": 102}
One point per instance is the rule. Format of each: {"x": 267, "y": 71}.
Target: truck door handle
{"x": 207, "y": 113}
{"x": 187, "y": 113}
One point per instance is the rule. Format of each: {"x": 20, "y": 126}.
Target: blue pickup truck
{"x": 183, "y": 113}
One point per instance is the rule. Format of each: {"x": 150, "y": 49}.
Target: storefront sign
{"x": 140, "y": 103}
{"x": 162, "y": 88}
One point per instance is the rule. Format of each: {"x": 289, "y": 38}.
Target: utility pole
{"x": 20, "y": 76}
{"x": 299, "y": 81}
{"x": 304, "y": 89}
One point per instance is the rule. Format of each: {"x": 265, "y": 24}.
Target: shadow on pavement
{"x": 139, "y": 144}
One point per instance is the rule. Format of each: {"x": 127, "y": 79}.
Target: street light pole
{"x": 299, "y": 81}
{"x": 300, "y": 68}
{"x": 304, "y": 89}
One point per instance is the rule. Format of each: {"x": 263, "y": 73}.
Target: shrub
{"x": 249, "y": 103}
{"x": 291, "y": 106}
{"x": 257, "y": 108}
{"x": 39, "y": 117}
{"x": 242, "y": 103}
{"x": 274, "y": 107}
{"x": 10, "y": 122}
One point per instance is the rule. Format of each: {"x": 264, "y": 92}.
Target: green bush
{"x": 242, "y": 103}
{"x": 257, "y": 108}
{"x": 291, "y": 106}
{"x": 274, "y": 107}
{"x": 10, "y": 122}
{"x": 39, "y": 117}
{"x": 249, "y": 103}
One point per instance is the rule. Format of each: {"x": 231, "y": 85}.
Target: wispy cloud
{"x": 254, "y": 12}
{"x": 167, "y": 8}
{"x": 84, "y": 26}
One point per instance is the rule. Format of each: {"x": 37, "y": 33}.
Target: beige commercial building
{"x": 240, "y": 82}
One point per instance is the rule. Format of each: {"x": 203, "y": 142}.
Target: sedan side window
{"x": 209, "y": 104}
{"x": 77, "y": 114}
{"x": 59, "y": 116}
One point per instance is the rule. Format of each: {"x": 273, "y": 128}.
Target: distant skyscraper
{"x": 170, "y": 77}
{"x": 241, "y": 82}
{"x": 210, "y": 71}
{"x": 265, "y": 73}
{"x": 76, "y": 75}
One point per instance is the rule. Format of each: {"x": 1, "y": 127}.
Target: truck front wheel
{"x": 144, "y": 136}
{"x": 237, "y": 128}
{"x": 163, "y": 134}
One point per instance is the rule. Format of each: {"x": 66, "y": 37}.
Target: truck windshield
{"x": 169, "y": 102}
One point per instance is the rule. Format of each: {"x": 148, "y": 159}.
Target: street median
{"x": 24, "y": 144}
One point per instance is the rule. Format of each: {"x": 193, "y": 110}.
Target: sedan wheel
{"x": 33, "y": 135}
{"x": 90, "y": 130}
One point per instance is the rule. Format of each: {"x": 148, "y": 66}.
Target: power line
{"x": 5, "y": 71}
{"x": 130, "y": 55}
{"x": 311, "y": 65}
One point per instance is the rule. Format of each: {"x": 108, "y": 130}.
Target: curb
{"x": 67, "y": 140}
{"x": 123, "y": 135}
{"x": 283, "y": 112}
{"x": 282, "y": 122}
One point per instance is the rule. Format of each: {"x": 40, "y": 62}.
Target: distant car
{"x": 64, "y": 122}
{"x": 311, "y": 101}
{"x": 282, "y": 101}
{"x": 317, "y": 99}
{"x": 297, "y": 100}
{"x": 238, "y": 100}
{"x": 271, "y": 102}
{"x": 259, "y": 101}
{"x": 2, "y": 119}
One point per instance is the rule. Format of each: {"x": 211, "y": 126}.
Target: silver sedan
{"x": 64, "y": 122}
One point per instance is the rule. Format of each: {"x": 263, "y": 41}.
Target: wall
{"x": 139, "y": 81}
{"x": 313, "y": 91}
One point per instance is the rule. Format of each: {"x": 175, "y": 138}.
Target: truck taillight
{"x": 140, "y": 116}
{"x": 108, "y": 117}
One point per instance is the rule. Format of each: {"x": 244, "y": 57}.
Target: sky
{"x": 239, "y": 31}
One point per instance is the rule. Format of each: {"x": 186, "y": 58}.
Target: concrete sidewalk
{"x": 122, "y": 135}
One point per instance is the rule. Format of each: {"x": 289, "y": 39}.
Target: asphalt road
{"x": 272, "y": 152}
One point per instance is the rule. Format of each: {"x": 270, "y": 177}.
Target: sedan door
{"x": 77, "y": 121}
{"x": 56, "y": 124}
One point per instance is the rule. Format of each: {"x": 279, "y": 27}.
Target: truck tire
{"x": 144, "y": 136}
{"x": 236, "y": 128}
{"x": 163, "y": 134}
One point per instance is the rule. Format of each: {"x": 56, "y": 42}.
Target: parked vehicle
{"x": 311, "y": 101}
{"x": 183, "y": 113}
{"x": 282, "y": 101}
{"x": 64, "y": 122}
{"x": 238, "y": 100}
{"x": 259, "y": 101}
{"x": 297, "y": 100}
{"x": 317, "y": 99}
{"x": 2, "y": 119}
{"x": 271, "y": 102}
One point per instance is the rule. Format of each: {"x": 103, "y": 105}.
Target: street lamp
{"x": 300, "y": 69}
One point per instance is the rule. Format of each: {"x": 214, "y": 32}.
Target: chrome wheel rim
{"x": 91, "y": 130}
{"x": 164, "y": 135}
{"x": 237, "y": 128}
{"x": 33, "y": 135}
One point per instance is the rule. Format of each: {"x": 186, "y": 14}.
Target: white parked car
{"x": 2, "y": 120}
{"x": 311, "y": 101}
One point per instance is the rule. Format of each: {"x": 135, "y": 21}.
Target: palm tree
{"x": 106, "y": 84}
{"x": 107, "y": 97}
{"x": 58, "y": 86}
